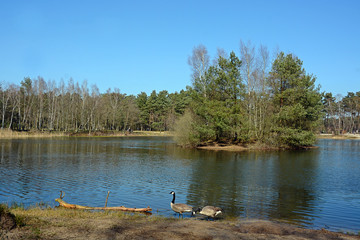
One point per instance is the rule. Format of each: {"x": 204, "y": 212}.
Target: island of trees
{"x": 233, "y": 100}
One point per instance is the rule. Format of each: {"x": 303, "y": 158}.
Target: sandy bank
{"x": 217, "y": 147}
{"x": 342, "y": 136}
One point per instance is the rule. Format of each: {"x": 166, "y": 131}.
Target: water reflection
{"x": 276, "y": 185}
{"x": 295, "y": 180}
{"x": 306, "y": 188}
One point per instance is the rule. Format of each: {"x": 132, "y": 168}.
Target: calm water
{"x": 314, "y": 188}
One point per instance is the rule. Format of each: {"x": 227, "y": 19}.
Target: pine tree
{"x": 297, "y": 103}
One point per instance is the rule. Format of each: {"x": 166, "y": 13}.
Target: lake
{"x": 316, "y": 188}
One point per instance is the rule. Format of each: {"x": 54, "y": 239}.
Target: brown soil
{"x": 7, "y": 221}
{"x": 154, "y": 228}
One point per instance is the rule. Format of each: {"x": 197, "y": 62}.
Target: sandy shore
{"x": 343, "y": 136}
{"x": 235, "y": 148}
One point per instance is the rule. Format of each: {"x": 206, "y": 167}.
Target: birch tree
{"x": 199, "y": 62}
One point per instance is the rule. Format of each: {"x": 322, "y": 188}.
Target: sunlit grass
{"x": 341, "y": 136}
{"x": 6, "y": 133}
{"x": 153, "y": 133}
{"x": 10, "y": 134}
{"x": 43, "y": 211}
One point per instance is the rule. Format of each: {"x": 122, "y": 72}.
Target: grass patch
{"x": 341, "y": 136}
{"x": 153, "y": 133}
{"x": 58, "y": 213}
{"x": 9, "y": 134}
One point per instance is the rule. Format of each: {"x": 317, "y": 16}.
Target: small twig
{"x": 107, "y": 198}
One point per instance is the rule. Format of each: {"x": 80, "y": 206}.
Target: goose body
{"x": 180, "y": 207}
{"x": 210, "y": 211}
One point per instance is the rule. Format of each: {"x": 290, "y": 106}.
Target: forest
{"x": 241, "y": 99}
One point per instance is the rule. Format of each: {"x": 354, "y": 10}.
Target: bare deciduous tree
{"x": 247, "y": 51}
{"x": 5, "y": 97}
{"x": 199, "y": 63}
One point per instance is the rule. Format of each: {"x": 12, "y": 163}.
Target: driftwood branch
{"x": 121, "y": 208}
{"x": 62, "y": 194}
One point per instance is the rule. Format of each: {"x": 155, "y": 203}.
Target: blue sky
{"x": 144, "y": 45}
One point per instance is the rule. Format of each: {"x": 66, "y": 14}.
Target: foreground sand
{"x": 75, "y": 224}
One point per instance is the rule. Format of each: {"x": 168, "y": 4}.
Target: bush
{"x": 185, "y": 133}
{"x": 293, "y": 138}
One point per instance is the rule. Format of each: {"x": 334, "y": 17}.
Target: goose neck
{"x": 173, "y": 200}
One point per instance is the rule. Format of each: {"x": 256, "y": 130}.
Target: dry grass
{"x": 121, "y": 134}
{"x": 153, "y": 133}
{"x": 9, "y": 134}
{"x": 63, "y": 213}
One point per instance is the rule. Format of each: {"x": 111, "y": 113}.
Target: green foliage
{"x": 341, "y": 114}
{"x": 160, "y": 110}
{"x": 141, "y": 101}
{"x": 218, "y": 111}
{"x": 297, "y": 102}
{"x": 287, "y": 112}
{"x": 294, "y": 138}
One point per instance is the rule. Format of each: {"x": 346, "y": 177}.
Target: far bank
{"x": 10, "y": 134}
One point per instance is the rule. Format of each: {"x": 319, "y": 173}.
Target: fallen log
{"x": 64, "y": 204}
{"x": 121, "y": 208}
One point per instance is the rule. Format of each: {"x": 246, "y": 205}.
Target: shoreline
{"x": 240, "y": 148}
{"x": 343, "y": 136}
{"x": 9, "y": 134}
{"x": 59, "y": 223}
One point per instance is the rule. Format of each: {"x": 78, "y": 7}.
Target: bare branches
{"x": 248, "y": 63}
{"x": 199, "y": 63}
{"x": 62, "y": 194}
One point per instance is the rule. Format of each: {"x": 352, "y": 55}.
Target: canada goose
{"x": 210, "y": 211}
{"x": 180, "y": 207}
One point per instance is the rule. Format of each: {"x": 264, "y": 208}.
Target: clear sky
{"x": 144, "y": 45}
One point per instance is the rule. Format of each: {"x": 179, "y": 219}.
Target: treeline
{"x": 341, "y": 114}
{"x": 73, "y": 107}
{"x": 241, "y": 99}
